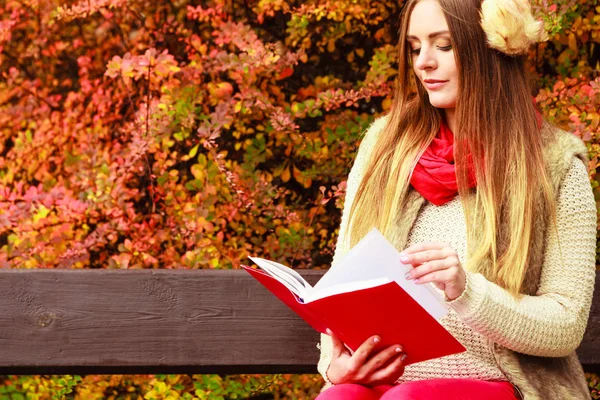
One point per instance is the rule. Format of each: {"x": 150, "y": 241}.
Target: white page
{"x": 375, "y": 257}
{"x": 291, "y": 272}
{"x": 317, "y": 294}
{"x": 283, "y": 275}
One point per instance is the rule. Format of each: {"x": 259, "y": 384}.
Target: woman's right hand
{"x": 365, "y": 365}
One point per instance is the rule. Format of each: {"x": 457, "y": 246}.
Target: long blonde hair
{"x": 496, "y": 118}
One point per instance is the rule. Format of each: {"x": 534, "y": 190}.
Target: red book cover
{"x": 385, "y": 310}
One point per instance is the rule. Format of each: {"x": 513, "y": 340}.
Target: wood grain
{"x": 162, "y": 321}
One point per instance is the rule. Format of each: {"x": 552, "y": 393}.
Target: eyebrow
{"x": 431, "y": 35}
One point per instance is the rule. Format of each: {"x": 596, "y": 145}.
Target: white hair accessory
{"x": 510, "y": 26}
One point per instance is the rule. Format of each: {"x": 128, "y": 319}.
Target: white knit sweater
{"x": 549, "y": 324}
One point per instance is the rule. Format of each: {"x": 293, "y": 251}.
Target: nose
{"x": 426, "y": 59}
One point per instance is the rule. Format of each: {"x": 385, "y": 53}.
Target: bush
{"x": 138, "y": 134}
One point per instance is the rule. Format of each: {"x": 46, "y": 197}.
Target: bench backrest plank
{"x": 162, "y": 321}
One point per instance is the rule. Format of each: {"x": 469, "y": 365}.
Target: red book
{"x": 379, "y": 302}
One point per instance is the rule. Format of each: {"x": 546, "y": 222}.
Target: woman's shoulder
{"x": 560, "y": 150}
{"x": 372, "y": 133}
{"x": 376, "y": 127}
{"x": 562, "y": 144}
{"x": 369, "y": 139}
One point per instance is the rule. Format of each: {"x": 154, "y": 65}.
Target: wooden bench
{"x": 164, "y": 321}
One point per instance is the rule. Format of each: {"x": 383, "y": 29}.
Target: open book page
{"x": 287, "y": 276}
{"x": 375, "y": 257}
{"x": 316, "y": 294}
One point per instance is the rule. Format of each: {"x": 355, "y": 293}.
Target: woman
{"x": 489, "y": 203}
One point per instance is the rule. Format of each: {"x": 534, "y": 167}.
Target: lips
{"x": 433, "y": 84}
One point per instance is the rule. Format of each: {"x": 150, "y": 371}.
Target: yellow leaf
{"x": 41, "y": 213}
{"x": 360, "y": 52}
{"x": 594, "y": 117}
{"x": 193, "y": 151}
{"x": 296, "y": 108}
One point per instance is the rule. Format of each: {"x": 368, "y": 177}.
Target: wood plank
{"x": 162, "y": 321}
{"x": 145, "y": 321}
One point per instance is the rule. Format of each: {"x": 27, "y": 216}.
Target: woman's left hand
{"x": 437, "y": 263}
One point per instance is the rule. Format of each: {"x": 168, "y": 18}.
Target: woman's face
{"x": 432, "y": 54}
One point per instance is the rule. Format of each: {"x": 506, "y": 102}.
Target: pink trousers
{"x": 447, "y": 389}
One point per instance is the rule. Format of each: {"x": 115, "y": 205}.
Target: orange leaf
{"x": 573, "y": 41}
{"x": 331, "y": 45}
{"x": 298, "y": 175}
{"x": 285, "y": 73}
{"x": 285, "y": 175}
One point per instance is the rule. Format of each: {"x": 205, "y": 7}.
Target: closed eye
{"x": 442, "y": 48}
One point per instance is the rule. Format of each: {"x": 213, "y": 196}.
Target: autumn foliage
{"x": 186, "y": 134}
{"x": 155, "y": 135}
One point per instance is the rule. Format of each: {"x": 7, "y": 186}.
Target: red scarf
{"x": 435, "y": 173}
{"x": 434, "y": 176}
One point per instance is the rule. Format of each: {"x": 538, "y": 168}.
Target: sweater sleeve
{"x": 551, "y": 323}
{"x": 342, "y": 245}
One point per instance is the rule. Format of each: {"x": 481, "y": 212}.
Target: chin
{"x": 442, "y": 103}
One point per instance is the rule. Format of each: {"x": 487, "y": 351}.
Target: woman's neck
{"x": 450, "y": 114}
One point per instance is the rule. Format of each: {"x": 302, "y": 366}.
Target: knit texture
{"x": 551, "y": 323}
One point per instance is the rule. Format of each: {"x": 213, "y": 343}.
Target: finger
{"x": 443, "y": 276}
{"x": 424, "y": 246}
{"x": 428, "y": 268}
{"x": 338, "y": 346}
{"x": 423, "y": 256}
{"x": 392, "y": 372}
{"x": 365, "y": 350}
{"x": 383, "y": 357}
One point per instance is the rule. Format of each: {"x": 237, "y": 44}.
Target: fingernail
{"x": 404, "y": 356}
{"x": 416, "y": 280}
{"x": 328, "y": 331}
{"x": 407, "y": 276}
{"x": 376, "y": 340}
{"x": 398, "y": 349}
{"x": 404, "y": 259}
